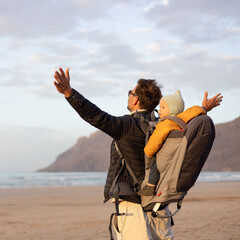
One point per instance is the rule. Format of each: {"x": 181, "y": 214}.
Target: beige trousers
{"x": 140, "y": 225}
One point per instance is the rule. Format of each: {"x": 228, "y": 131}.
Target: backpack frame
{"x": 179, "y": 161}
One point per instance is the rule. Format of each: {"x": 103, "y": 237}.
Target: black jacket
{"x": 125, "y": 130}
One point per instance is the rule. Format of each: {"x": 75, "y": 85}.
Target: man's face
{"x": 131, "y": 100}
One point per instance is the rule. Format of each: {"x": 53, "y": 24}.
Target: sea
{"x": 65, "y": 179}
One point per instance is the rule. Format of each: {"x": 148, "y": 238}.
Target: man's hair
{"x": 149, "y": 93}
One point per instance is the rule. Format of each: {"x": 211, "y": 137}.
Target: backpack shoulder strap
{"x": 148, "y": 125}
{"x": 136, "y": 183}
{"x": 117, "y": 189}
{"x": 177, "y": 120}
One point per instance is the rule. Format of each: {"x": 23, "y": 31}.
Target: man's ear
{"x": 136, "y": 101}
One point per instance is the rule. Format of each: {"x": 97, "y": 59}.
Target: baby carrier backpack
{"x": 179, "y": 161}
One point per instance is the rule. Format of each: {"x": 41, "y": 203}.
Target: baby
{"x": 170, "y": 105}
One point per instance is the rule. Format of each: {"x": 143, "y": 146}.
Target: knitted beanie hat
{"x": 175, "y": 103}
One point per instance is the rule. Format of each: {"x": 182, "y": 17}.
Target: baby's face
{"x": 164, "y": 109}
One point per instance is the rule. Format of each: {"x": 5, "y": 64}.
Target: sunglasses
{"x": 130, "y": 92}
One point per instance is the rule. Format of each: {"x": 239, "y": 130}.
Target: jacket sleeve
{"x": 191, "y": 113}
{"x": 159, "y": 135}
{"x": 113, "y": 126}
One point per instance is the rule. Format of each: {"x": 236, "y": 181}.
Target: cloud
{"x": 198, "y": 21}
{"x": 200, "y": 71}
{"x": 99, "y": 36}
{"x": 120, "y": 54}
{"x": 37, "y": 58}
{"x": 230, "y": 57}
{"x": 112, "y": 59}
{"x": 34, "y": 19}
{"x": 100, "y": 56}
{"x": 56, "y": 52}
{"x": 27, "y": 19}
{"x": 154, "y": 47}
{"x": 110, "y": 52}
{"x": 46, "y": 91}
{"x": 87, "y": 82}
{"x": 140, "y": 30}
{"x": 15, "y": 77}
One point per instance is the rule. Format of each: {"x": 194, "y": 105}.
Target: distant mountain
{"x": 225, "y": 154}
{"x": 88, "y": 154}
{"x": 93, "y": 153}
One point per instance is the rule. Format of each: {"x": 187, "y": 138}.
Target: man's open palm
{"x": 62, "y": 82}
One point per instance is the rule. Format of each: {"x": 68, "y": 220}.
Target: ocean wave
{"x": 34, "y": 180}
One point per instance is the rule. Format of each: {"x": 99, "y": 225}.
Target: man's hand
{"x": 62, "y": 82}
{"x": 211, "y": 103}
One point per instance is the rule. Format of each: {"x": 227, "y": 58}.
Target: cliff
{"x": 93, "y": 153}
{"x": 225, "y": 154}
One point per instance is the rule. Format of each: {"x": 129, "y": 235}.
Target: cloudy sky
{"x": 108, "y": 45}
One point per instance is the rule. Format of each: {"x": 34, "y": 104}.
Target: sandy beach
{"x": 211, "y": 211}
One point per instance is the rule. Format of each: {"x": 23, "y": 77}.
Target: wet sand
{"x": 211, "y": 211}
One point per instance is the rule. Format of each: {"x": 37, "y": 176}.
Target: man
{"x": 126, "y": 132}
